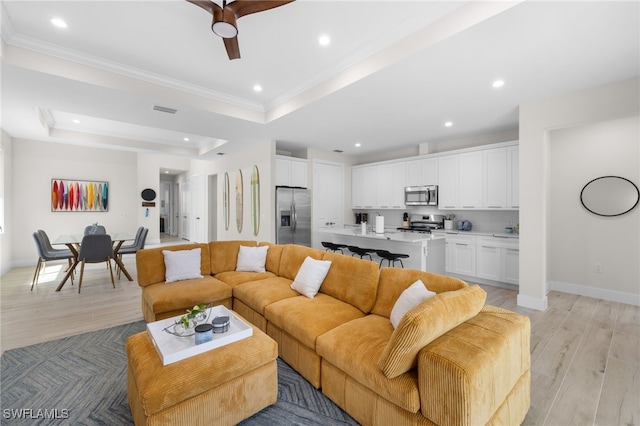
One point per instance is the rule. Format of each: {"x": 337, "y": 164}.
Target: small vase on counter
{"x": 364, "y": 228}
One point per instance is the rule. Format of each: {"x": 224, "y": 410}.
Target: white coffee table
{"x": 172, "y": 348}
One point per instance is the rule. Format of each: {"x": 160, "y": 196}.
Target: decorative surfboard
{"x": 255, "y": 200}
{"x": 239, "y": 200}
{"x": 226, "y": 204}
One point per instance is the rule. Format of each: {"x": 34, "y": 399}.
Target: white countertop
{"x": 405, "y": 237}
{"x": 480, "y": 234}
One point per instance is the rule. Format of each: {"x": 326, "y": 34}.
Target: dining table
{"x": 73, "y": 242}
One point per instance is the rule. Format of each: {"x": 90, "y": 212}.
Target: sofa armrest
{"x": 467, "y": 374}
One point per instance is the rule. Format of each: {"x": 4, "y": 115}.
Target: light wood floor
{"x": 585, "y": 352}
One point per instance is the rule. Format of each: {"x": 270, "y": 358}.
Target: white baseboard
{"x": 598, "y": 293}
{"x": 539, "y": 304}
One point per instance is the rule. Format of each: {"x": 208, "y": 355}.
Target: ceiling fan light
{"x": 224, "y": 29}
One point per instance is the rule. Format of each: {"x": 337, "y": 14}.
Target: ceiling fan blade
{"x": 245, "y": 7}
{"x": 207, "y": 5}
{"x": 233, "y": 50}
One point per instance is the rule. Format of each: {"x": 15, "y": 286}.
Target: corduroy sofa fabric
{"x": 426, "y": 322}
{"x": 480, "y": 383}
{"x": 452, "y": 361}
{"x": 186, "y": 392}
{"x": 393, "y": 281}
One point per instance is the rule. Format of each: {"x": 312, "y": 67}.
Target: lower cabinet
{"x": 489, "y": 258}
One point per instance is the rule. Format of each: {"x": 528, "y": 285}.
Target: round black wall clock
{"x": 148, "y": 194}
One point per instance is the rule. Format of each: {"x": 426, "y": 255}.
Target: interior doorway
{"x": 212, "y": 207}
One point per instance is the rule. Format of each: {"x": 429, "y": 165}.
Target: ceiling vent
{"x": 164, "y": 109}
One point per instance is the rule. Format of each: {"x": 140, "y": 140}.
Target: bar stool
{"x": 333, "y": 246}
{"x": 361, "y": 251}
{"x": 391, "y": 257}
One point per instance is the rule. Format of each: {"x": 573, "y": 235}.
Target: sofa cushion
{"x": 426, "y": 322}
{"x": 274, "y": 256}
{"x": 310, "y": 276}
{"x": 234, "y": 278}
{"x": 224, "y": 254}
{"x": 258, "y": 294}
{"x": 185, "y": 294}
{"x": 251, "y": 259}
{"x": 305, "y": 319}
{"x": 351, "y": 280}
{"x": 393, "y": 281}
{"x": 181, "y": 265}
{"x": 355, "y": 348}
{"x": 415, "y": 294}
{"x": 150, "y": 262}
{"x": 292, "y": 258}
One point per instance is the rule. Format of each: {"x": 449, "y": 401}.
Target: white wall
{"x": 579, "y": 239}
{"x": 6, "y": 193}
{"x": 36, "y": 163}
{"x": 537, "y": 120}
{"x": 261, "y": 154}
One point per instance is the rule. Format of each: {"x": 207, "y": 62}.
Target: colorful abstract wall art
{"x": 79, "y": 196}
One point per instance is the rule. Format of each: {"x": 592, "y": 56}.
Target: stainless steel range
{"x": 424, "y": 223}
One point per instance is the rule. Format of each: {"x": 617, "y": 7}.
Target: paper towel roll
{"x": 364, "y": 228}
{"x": 379, "y": 224}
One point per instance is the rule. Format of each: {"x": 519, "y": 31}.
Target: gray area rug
{"x": 82, "y": 380}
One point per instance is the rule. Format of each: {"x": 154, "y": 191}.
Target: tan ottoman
{"x": 222, "y": 386}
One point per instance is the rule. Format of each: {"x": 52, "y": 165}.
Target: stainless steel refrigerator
{"x": 293, "y": 216}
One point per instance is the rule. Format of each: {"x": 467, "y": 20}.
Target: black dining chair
{"x": 45, "y": 255}
{"x": 138, "y": 244}
{"x": 96, "y": 248}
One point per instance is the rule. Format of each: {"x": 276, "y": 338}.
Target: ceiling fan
{"x": 225, "y": 17}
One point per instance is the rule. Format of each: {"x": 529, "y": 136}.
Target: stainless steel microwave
{"x": 426, "y": 195}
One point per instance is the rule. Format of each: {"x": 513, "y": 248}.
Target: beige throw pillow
{"x": 425, "y": 323}
{"x": 252, "y": 259}
{"x": 181, "y": 264}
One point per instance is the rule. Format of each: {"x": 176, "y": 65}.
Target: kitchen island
{"x": 426, "y": 251}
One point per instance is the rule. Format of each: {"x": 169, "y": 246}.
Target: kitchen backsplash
{"x": 482, "y": 220}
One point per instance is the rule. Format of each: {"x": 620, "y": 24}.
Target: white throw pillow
{"x": 252, "y": 259}
{"x": 411, "y": 297}
{"x": 310, "y": 276}
{"x": 181, "y": 264}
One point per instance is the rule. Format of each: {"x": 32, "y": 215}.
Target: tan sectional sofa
{"x": 452, "y": 360}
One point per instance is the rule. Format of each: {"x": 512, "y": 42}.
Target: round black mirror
{"x": 610, "y": 196}
{"x": 148, "y": 194}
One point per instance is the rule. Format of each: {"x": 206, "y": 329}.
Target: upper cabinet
{"x": 291, "y": 172}
{"x": 483, "y": 178}
{"x": 421, "y": 172}
{"x": 378, "y": 187}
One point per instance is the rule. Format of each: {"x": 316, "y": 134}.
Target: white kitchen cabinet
{"x": 488, "y": 259}
{"x": 421, "y": 172}
{"x": 491, "y": 258}
{"x": 462, "y": 252}
{"x": 498, "y": 259}
{"x": 470, "y": 184}
{"x": 291, "y": 172}
{"x": 494, "y": 167}
{"x": 510, "y": 272}
{"x": 448, "y": 182}
{"x": 513, "y": 177}
{"x": 378, "y": 187}
{"x": 390, "y": 180}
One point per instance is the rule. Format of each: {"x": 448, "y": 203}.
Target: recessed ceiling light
{"x": 324, "y": 40}
{"x": 358, "y": 145}
{"x": 498, "y": 83}
{"x": 58, "y": 23}
{"x": 257, "y": 88}
{"x": 76, "y": 121}
{"x": 186, "y": 139}
{"x": 448, "y": 124}
{"x": 166, "y": 172}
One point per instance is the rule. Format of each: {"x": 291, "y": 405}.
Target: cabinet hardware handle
{"x": 460, "y": 244}
{"x": 495, "y": 207}
{"x": 468, "y": 207}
